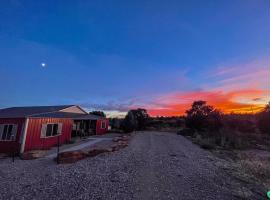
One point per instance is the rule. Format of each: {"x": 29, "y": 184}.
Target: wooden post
{"x": 80, "y": 129}
{"x": 13, "y": 149}
{"x": 58, "y": 148}
{"x": 76, "y": 124}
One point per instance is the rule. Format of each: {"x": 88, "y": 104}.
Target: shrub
{"x": 207, "y": 144}
{"x": 186, "y": 132}
{"x": 98, "y": 113}
{"x": 116, "y": 123}
{"x": 232, "y": 139}
{"x": 135, "y": 120}
{"x": 129, "y": 124}
{"x": 240, "y": 124}
{"x": 264, "y": 122}
{"x": 203, "y": 117}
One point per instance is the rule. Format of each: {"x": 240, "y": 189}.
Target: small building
{"x": 24, "y": 129}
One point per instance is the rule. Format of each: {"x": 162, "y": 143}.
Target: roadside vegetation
{"x": 139, "y": 119}
{"x": 241, "y": 139}
{"x": 98, "y": 113}
{"x": 135, "y": 120}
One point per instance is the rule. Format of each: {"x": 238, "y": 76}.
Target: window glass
{"x": 52, "y": 130}
{"x": 55, "y": 129}
{"x": 4, "y": 132}
{"x": 103, "y": 124}
{"x": 49, "y": 130}
{"x": 7, "y": 132}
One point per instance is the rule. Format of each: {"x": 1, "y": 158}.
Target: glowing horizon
{"x": 119, "y": 55}
{"x": 239, "y": 89}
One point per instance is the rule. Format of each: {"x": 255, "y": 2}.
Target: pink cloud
{"x": 178, "y": 103}
{"x": 254, "y": 74}
{"x": 240, "y": 88}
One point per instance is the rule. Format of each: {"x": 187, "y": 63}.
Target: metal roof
{"x": 75, "y": 116}
{"x": 45, "y": 112}
{"x": 22, "y": 112}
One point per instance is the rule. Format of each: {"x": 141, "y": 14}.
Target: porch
{"x": 83, "y": 127}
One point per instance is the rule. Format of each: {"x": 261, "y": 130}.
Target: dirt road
{"x": 154, "y": 166}
{"x": 171, "y": 167}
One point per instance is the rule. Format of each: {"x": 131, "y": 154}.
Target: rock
{"x": 96, "y": 152}
{"x": 115, "y": 147}
{"x": 2, "y": 156}
{"x": 71, "y": 156}
{"x": 31, "y": 155}
{"x": 121, "y": 138}
{"x": 109, "y": 150}
{"x": 119, "y": 145}
{"x": 123, "y": 143}
{"x": 27, "y": 156}
{"x": 117, "y": 139}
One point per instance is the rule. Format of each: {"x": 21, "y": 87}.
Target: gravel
{"x": 154, "y": 166}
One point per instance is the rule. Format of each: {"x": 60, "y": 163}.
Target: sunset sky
{"x": 119, "y": 55}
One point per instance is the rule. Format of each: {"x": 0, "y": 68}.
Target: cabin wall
{"x": 99, "y": 130}
{"x": 12, "y": 146}
{"x": 34, "y": 141}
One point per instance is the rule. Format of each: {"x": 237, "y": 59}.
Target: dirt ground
{"x": 155, "y": 165}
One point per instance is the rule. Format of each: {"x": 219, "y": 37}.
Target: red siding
{"x": 33, "y": 139}
{"x": 99, "y": 130}
{"x": 10, "y": 146}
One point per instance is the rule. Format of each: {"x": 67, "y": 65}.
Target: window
{"x": 50, "y": 130}
{"x": 103, "y": 125}
{"x": 8, "y": 132}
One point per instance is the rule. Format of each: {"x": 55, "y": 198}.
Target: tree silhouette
{"x": 135, "y": 120}
{"x": 264, "y": 120}
{"x": 98, "y": 113}
{"x": 203, "y": 117}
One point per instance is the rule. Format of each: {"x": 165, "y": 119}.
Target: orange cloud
{"x": 254, "y": 74}
{"x": 238, "y": 101}
{"x": 242, "y": 88}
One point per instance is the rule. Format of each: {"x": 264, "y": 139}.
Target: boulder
{"x": 117, "y": 139}
{"x": 120, "y": 138}
{"x": 71, "y": 156}
{"x": 95, "y": 152}
{"x": 2, "y": 156}
{"x": 115, "y": 147}
{"x": 31, "y": 155}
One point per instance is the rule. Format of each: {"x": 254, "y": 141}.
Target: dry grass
{"x": 250, "y": 169}
{"x": 247, "y": 158}
{"x": 257, "y": 166}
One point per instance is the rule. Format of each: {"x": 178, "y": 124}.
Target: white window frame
{"x": 101, "y": 125}
{"x": 44, "y": 135}
{"x": 12, "y": 134}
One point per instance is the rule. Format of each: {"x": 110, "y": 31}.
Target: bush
{"x": 241, "y": 125}
{"x": 209, "y": 127}
{"x": 128, "y": 125}
{"x": 204, "y": 143}
{"x": 116, "y": 123}
{"x": 203, "y": 117}
{"x": 186, "y": 132}
{"x": 232, "y": 139}
{"x": 135, "y": 120}
{"x": 207, "y": 144}
{"x": 264, "y": 122}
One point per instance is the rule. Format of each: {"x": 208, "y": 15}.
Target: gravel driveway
{"x": 154, "y": 166}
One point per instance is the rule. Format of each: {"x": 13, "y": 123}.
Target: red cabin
{"x": 35, "y": 128}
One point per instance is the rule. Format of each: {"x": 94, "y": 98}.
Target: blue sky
{"x": 115, "y": 55}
